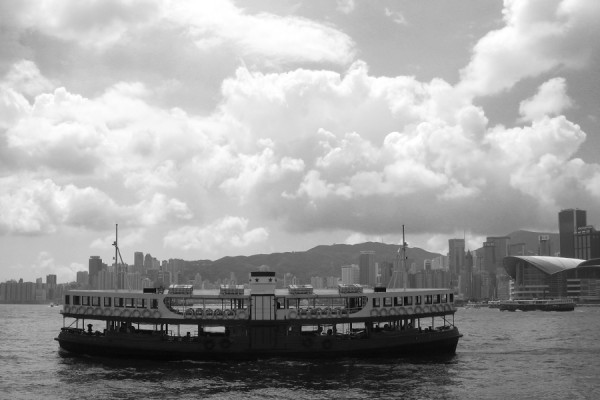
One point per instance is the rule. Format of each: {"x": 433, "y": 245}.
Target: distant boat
{"x": 537, "y": 305}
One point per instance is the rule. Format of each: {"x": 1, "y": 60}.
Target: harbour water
{"x": 520, "y": 355}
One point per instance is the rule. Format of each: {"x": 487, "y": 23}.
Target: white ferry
{"x": 258, "y": 320}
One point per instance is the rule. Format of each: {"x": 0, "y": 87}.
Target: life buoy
{"x": 393, "y": 312}
{"x": 156, "y": 314}
{"x": 218, "y": 314}
{"x": 418, "y": 309}
{"x": 136, "y": 314}
{"x": 189, "y": 313}
{"x": 402, "y": 311}
{"x": 209, "y": 344}
{"x": 409, "y": 311}
{"x": 225, "y": 343}
{"x": 307, "y": 341}
{"x": 344, "y": 314}
{"x": 383, "y": 312}
{"x": 304, "y": 313}
{"x": 98, "y": 311}
{"x": 292, "y": 314}
{"x": 241, "y": 314}
{"x": 327, "y": 343}
{"x": 146, "y": 313}
{"x": 107, "y": 312}
{"x": 89, "y": 311}
{"x": 327, "y": 312}
{"x": 374, "y": 313}
{"x": 229, "y": 314}
{"x": 116, "y": 313}
{"x": 66, "y": 309}
{"x": 199, "y": 313}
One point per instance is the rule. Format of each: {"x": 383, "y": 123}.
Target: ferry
{"x": 537, "y": 305}
{"x": 258, "y": 320}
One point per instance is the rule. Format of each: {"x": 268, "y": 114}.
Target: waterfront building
{"x": 549, "y": 277}
{"x": 350, "y": 274}
{"x": 569, "y": 221}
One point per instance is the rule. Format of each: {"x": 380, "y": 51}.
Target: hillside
{"x": 327, "y": 260}
{"x": 318, "y": 261}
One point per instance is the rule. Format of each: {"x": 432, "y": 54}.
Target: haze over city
{"x": 207, "y": 129}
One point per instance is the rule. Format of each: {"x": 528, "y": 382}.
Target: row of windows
{"x": 410, "y": 300}
{"x": 97, "y": 301}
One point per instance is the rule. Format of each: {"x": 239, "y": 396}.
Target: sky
{"x": 207, "y": 129}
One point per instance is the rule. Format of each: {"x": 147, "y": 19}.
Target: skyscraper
{"x": 95, "y": 266}
{"x": 456, "y": 255}
{"x": 368, "y": 272}
{"x": 138, "y": 262}
{"x": 569, "y": 221}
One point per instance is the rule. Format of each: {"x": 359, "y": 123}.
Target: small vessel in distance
{"x": 537, "y": 305}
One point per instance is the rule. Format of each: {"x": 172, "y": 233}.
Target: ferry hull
{"x": 221, "y": 347}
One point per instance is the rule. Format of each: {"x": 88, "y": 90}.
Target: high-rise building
{"x": 350, "y": 274}
{"x": 138, "y": 262}
{"x": 544, "y": 246}
{"x": 456, "y": 255}
{"x": 587, "y": 243}
{"x": 368, "y": 270}
{"x": 94, "y": 268}
{"x": 569, "y": 221}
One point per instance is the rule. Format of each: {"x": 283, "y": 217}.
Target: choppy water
{"x": 534, "y": 355}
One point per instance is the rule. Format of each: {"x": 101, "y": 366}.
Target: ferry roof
{"x": 548, "y": 265}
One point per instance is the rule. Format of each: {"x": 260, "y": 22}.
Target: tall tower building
{"x": 569, "y": 221}
{"x": 456, "y": 255}
{"x": 366, "y": 264}
{"x": 138, "y": 262}
{"x": 94, "y": 268}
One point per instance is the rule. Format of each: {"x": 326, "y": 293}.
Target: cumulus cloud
{"x": 539, "y": 36}
{"x": 551, "y": 99}
{"x": 223, "y": 233}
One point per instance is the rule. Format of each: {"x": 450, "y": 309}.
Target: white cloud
{"x": 539, "y": 36}
{"x": 551, "y": 99}
{"x": 345, "y": 6}
{"x": 223, "y": 233}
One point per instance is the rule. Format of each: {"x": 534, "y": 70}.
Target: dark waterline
{"x": 502, "y": 355}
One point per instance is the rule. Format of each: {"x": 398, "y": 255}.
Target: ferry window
{"x": 107, "y": 302}
{"x": 76, "y": 301}
{"x": 428, "y": 299}
{"x": 85, "y": 300}
{"x": 408, "y": 300}
{"x": 418, "y": 300}
{"x": 118, "y": 302}
{"x": 397, "y": 301}
{"x": 96, "y": 301}
{"x": 67, "y": 299}
{"x": 140, "y": 303}
{"x": 387, "y": 301}
{"x": 451, "y": 297}
{"x": 444, "y": 298}
{"x": 376, "y": 302}
{"x": 129, "y": 302}
{"x": 436, "y": 299}
{"x": 154, "y": 303}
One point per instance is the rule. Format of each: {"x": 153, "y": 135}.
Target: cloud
{"x": 345, "y": 6}
{"x": 550, "y": 99}
{"x": 223, "y": 233}
{"x": 539, "y": 36}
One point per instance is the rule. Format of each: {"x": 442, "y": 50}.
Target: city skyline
{"x": 220, "y": 129}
